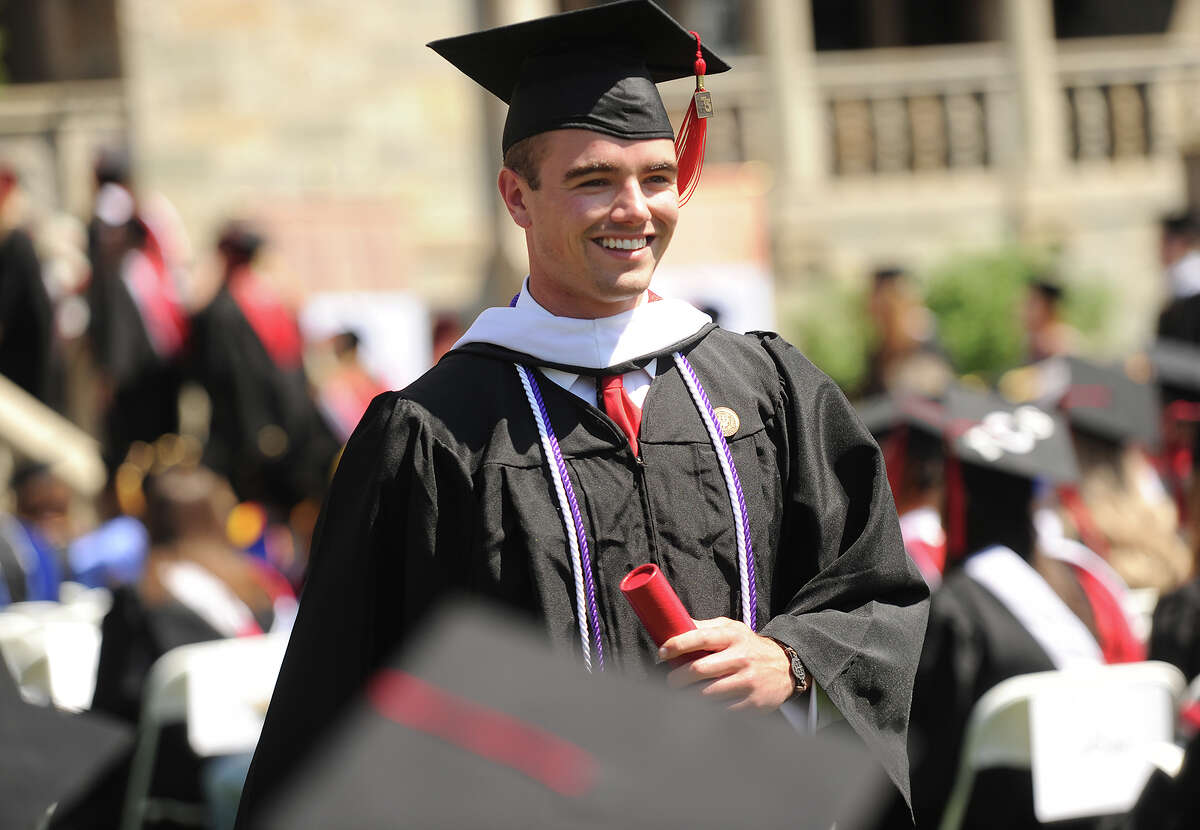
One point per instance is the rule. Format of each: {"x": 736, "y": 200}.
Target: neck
{"x": 564, "y": 304}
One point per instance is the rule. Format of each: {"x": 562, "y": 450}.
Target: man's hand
{"x": 750, "y": 670}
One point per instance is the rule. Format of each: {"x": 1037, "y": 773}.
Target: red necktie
{"x": 621, "y": 408}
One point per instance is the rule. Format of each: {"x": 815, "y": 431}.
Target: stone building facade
{"x": 865, "y": 130}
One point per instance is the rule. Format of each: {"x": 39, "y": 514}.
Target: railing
{"x": 52, "y": 131}
{"x": 916, "y": 110}
{"x": 955, "y": 108}
{"x": 1128, "y": 97}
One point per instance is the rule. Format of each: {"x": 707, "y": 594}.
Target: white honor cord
{"x": 718, "y": 441}
{"x": 564, "y": 508}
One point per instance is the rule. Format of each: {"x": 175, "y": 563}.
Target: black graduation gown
{"x": 1180, "y": 320}
{"x": 248, "y": 392}
{"x": 144, "y": 384}
{"x": 1175, "y": 633}
{"x": 27, "y": 342}
{"x": 444, "y": 487}
{"x": 133, "y": 637}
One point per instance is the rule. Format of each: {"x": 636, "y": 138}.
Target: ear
{"x": 513, "y": 190}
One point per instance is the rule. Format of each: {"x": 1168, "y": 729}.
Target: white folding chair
{"x": 52, "y": 650}
{"x": 998, "y": 732}
{"x": 220, "y": 689}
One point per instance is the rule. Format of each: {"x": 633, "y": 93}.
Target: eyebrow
{"x": 608, "y": 167}
{"x": 589, "y": 168}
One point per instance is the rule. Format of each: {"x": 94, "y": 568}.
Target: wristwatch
{"x": 799, "y": 674}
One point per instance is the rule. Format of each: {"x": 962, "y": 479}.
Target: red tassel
{"x": 895, "y": 449}
{"x": 956, "y": 509}
{"x": 692, "y": 135}
{"x": 1176, "y": 457}
{"x": 955, "y": 495}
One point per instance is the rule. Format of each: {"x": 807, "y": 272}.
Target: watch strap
{"x": 800, "y": 676}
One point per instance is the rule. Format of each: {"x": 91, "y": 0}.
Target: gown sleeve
{"x": 854, "y": 605}
{"x": 382, "y": 552}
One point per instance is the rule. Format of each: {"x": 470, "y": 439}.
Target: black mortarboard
{"x": 1024, "y": 440}
{"x": 479, "y": 724}
{"x": 998, "y": 453}
{"x": 909, "y": 430}
{"x": 48, "y": 757}
{"x": 592, "y": 69}
{"x": 1101, "y": 400}
{"x": 883, "y": 413}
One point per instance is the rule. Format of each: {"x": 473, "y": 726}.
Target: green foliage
{"x": 976, "y": 299}
{"x": 834, "y": 333}
{"x": 1089, "y": 307}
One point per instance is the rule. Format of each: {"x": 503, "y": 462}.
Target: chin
{"x": 629, "y": 285}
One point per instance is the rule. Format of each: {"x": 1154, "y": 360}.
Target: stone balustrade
{"x": 952, "y": 108}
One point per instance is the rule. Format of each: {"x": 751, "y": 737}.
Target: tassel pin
{"x": 689, "y": 143}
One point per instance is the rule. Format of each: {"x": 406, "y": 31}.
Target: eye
{"x": 593, "y": 183}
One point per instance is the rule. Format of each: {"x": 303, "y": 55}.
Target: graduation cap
{"x": 479, "y": 724}
{"x": 593, "y": 69}
{"x": 1005, "y": 448}
{"x": 1022, "y": 440}
{"x": 883, "y": 413}
{"x": 909, "y": 429}
{"x": 1101, "y": 400}
{"x": 51, "y": 758}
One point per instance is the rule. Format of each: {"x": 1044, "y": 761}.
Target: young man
{"x": 592, "y": 427}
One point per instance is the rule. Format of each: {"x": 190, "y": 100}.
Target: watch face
{"x": 799, "y": 672}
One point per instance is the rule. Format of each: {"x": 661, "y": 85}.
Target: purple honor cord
{"x": 586, "y": 610}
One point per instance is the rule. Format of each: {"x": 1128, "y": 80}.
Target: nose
{"x": 629, "y": 207}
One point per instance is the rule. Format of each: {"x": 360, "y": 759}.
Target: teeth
{"x": 624, "y": 244}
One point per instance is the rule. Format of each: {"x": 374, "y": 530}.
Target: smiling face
{"x": 599, "y": 222}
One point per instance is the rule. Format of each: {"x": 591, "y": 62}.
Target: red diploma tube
{"x": 657, "y": 606}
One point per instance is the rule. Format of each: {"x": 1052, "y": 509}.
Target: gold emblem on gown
{"x": 729, "y": 421}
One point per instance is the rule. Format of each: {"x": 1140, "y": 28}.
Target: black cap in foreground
{"x": 591, "y": 69}
{"x": 1023, "y": 440}
{"x": 480, "y": 725}
{"x": 48, "y": 757}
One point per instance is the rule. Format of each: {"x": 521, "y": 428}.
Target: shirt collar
{"x": 647, "y": 330}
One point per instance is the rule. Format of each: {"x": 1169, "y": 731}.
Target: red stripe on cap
{"x": 1088, "y": 396}
{"x": 490, "y": 734}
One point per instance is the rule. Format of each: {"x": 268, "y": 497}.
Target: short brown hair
{"x": 525, "y": 159}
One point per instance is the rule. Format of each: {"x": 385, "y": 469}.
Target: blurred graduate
{"x": 1009, "y": 604}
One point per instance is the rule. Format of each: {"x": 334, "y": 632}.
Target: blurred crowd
{"x": 218, "y": 438}
{"x": 1054, "y": 512}
{"x": 166, "y": 375}
{"x": 217, "y": 426}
